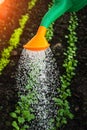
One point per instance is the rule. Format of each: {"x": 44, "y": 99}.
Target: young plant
{"x": 31, "y": 4}
{"x": 13, "y": 43}
{"x": 49, "y": 33}
{"x": 70, "y": 64}
{"x": 24, "y": 113}
{"x": 15, "y": 39}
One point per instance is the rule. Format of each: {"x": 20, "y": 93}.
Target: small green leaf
{"x": 13, "y": 114}
{"x": 58, "y": 101}
{"x": 15, "y": 125}
{"x": 21, "y": 120}
{"x": 17, "y": 111}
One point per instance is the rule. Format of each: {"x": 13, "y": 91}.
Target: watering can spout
{"x": 38, "y": 42}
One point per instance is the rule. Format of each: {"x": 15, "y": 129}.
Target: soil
{"x": 78, "y": 101}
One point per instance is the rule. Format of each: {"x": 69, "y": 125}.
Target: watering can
{"x": 39, "y": 42}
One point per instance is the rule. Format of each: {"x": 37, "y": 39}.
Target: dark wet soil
{"x": 78, "y": 101}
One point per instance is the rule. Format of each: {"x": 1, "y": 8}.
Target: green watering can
{"x": 39, "y": 42}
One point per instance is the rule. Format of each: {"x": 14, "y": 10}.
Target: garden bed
{"x": 78, "y": 101}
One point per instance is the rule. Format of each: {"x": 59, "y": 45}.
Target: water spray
{"x": 39, "y": 42}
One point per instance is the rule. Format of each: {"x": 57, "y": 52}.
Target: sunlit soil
{"x": 10, "y": 13}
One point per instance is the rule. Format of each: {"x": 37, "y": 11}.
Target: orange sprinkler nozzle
{"x": 38, "y": 42}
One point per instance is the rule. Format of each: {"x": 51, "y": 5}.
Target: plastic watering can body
{"x": 77, "y": 5}
{"x": 38, "y": 42}
{"x": 59, "y": 8}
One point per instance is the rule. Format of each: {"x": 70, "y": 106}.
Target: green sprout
{"x": 70, "y": 64}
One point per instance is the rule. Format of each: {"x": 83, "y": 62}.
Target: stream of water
{"x": 40, "y": 71}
